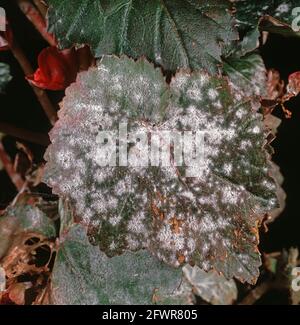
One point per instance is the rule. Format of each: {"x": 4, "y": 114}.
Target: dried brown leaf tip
{"x": 293, "y": 86}
{"x": 275, "y": 86}
{"x": 278, "y": 94}
{"x": 27, "y": 249}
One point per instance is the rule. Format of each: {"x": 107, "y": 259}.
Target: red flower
{"x": 57, "y": 69}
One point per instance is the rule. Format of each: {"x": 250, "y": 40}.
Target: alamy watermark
{"x": 156, "y": 148}
{"x": 296, "y": 20}
{"x": 2, "y": 20}
{"x": 296, "y": 279}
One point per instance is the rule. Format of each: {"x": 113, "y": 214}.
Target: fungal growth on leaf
{"x": 211, "y": 218}
{"x": 247, "y": 74}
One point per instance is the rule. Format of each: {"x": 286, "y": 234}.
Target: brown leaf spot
{"x": 176, "y": 224}
{"x": 181, "y": 259}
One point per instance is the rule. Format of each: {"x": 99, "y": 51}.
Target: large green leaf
{"x": 211, "y": 218}
{"x": 172, "y": 33}
{"x": 84, "y": 275}
{"x": 5, "y": 76}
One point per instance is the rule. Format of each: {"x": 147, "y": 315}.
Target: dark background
{"x": 283, "y": 54}
{"x": 19, "y": 107}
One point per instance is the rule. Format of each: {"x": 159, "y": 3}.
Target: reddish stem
{"x": 257, "y": 293}
{"x": 37, "y": 20}
{"x": 40, "y": 94}
{"x": 41, "y": 7}
{"x": 33, "y": 137}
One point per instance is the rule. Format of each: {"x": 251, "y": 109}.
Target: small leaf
{"x": 84, "y": 275}
{"x": 275, "y": 86}
{"x": 172, "y": 33}
{"x": 247, "y": 44}
{"x": 211, "y": 286}
{"x": 293, "y": 87}
{"x": 277, "y": 16}
{"x": 248, "y": 74}
{"x": 5, "y": 76}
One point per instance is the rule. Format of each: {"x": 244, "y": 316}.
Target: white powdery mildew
{"x": 269, "y": 185}
{"x": 178, "y": 218}
{"x": 123, "y": 186}
{"x": 203, "y": 79}
{"x": 240, "y": 113}
{"x": 256, "y": 130}
{"x": 230, "y": 195}
{"x": 101, "y": 175}
{"x": 191, "y": 245}
{"x": 217, "y": 104}
{"x": 181, "y": 82}
{"x": 227, "y": 168}
{"x": 170, "y": 240}
{"x": 195, "y": 92}
{"x": 245, "y": 145}
{"x": 65, "y": 159}
{"x": 189, "y": 195}
{"x": 208, "y": 224}
{"x": 208, "y": 200}
{"x": 206, "y": 266}
{"x": 213, "y": 94}
{"x": 282, "y": 9}
{"x": 137, "y": 224}
{"x": 193, "y": 223}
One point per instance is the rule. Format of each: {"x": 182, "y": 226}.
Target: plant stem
{"x": 41, "y": 7}
{"x": 37, "y": 20}
{"x": 40, "y": 94}
{"x": 33, "y": 137}
{"x": 7, "y": 163}
{"x": 256, "y": 293}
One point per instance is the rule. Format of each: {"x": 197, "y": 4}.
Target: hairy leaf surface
{"x": 84, "y": 275}
{"x": 247, "y": 74}
{"x": 172, "y": 33}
